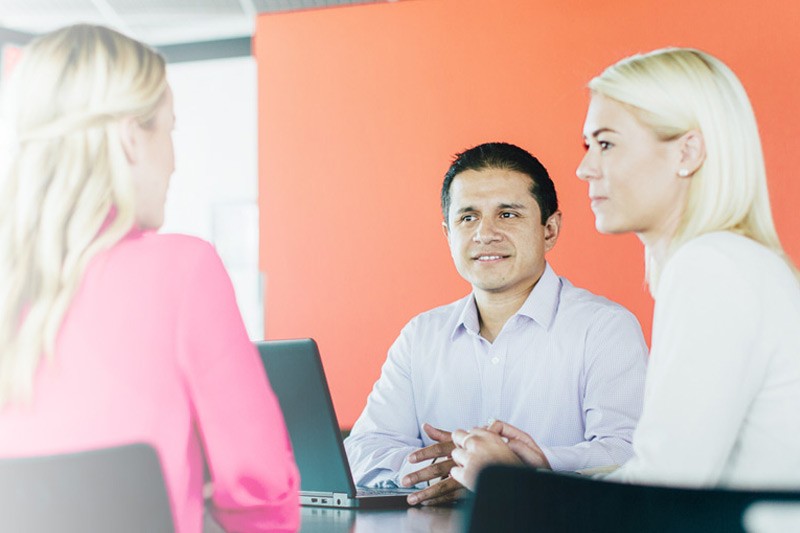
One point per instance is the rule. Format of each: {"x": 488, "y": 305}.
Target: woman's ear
{"x": 693, "y": 152}
{"x": 128, "y": 137}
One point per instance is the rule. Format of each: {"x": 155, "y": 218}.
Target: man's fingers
{"x": 433, "y": 471}
{"x": 435, "y": 492}
{"x": 440, "y": 449}
{"x": 439, "y": 435}
{"x": 447, "y": 498}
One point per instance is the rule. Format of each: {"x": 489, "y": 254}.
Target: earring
{"x": 684, "y": 173}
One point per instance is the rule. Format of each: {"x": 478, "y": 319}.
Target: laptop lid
{"x": 295, "y": 372}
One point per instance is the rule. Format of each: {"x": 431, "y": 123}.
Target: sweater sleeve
{"x": 703, "y": 373}
{"x": 238, "y": 418}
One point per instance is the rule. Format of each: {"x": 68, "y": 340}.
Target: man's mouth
{"x": 489, "y": 257}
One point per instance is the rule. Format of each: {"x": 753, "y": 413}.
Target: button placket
{"x": 493, "y": 379}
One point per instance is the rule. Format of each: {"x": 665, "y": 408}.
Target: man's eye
{"x": 468, "y": 218}
{"x": 508, "y": 215}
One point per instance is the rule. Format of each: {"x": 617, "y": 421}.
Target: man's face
{"x": 495, "y": 232}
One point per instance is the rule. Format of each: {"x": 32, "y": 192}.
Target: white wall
{"x": 213, "y": 193}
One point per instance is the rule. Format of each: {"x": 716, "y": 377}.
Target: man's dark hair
{"x": 504, "y": 156}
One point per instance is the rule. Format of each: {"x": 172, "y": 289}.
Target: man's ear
{"x": 446, "y": 230}
{"x": 552, "y": 228}
{"x": 693, "y": 152}
{"x": 128, "y": 137}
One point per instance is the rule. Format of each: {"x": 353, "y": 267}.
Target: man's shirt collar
{"x": 540, "y": 305}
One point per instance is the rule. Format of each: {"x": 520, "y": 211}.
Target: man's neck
{"x": 495, "y": 309}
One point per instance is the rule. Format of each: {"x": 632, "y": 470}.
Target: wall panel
{"x": 361, "y": 109}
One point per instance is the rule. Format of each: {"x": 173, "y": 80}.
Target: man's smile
{"x": 490, "y": 257}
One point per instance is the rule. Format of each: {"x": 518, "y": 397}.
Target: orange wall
{"x": 361, "y": 109}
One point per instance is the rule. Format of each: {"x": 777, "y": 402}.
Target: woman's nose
{"x": 588, "y": 167}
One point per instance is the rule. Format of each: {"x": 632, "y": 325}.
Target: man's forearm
{"x": 376, "y": 461}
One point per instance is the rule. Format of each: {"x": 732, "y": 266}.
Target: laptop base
{"x": 362, "y": 502}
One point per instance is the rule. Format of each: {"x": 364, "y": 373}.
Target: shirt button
{"x": 495, "y": 360}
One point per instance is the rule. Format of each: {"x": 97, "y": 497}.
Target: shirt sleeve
{"x": 703, "y": 373}
{"x": 387, "y": 430}
{"x": 238, "y": 418}
{"x": 615, "y": 362}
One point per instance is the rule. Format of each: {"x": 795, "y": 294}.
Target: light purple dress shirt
{"x": 568, "y": 368}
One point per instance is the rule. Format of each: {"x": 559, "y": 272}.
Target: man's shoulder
{"x": 431, "y": 331}
{"x": 600, "y": 319}
{"x": 580, "y": 300}
{"x": 441, "y": 314}
{"x": 438, "y": 322}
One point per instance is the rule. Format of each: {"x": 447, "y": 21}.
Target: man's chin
{"x": 491, "y": 288}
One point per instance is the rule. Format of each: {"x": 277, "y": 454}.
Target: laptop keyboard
{"x": 374, "y": 491}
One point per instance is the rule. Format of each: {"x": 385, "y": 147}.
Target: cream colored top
{"x": 722, "y": 393}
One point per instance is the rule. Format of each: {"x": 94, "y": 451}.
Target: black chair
{"x": 524, "y": 499}
{"x": 117, "y": 489}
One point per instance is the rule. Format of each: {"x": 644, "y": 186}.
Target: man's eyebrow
{"x": 469, "y": 208}
{"x": 512, "y": 206}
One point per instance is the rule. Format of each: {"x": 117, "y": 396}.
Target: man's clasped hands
{"x": 458, "y": 458}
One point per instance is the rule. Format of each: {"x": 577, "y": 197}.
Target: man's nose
{"x": 486, "y": 231}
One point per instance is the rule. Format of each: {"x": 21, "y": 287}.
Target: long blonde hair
{"x": 67, "y": 188}
{"x": 674, "y": 90}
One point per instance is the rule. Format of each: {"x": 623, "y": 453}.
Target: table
{"x": 445, "y": 519}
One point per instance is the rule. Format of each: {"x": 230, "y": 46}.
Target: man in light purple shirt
{"x": 525, "y": 347}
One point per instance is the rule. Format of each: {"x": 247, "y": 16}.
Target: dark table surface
{"x": 445, "y": 519}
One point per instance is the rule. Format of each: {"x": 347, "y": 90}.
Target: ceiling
{"x": 156, "y": 22}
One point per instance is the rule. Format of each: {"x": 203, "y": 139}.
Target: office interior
{"x": 312, "y": 151}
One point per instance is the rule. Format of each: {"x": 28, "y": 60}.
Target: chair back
{"x": 117, "y": 489}
{"x": 524, "y": 499}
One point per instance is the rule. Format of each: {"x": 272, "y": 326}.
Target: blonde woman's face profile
{"x": 632, "y": 175}
{"x": 153, "y": 164}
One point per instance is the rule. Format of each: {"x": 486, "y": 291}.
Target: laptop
{"x": 295, "y": 372}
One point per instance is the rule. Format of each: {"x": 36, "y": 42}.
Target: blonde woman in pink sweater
{"x": 109, "y": 332}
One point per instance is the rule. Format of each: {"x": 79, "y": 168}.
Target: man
{"x": 525, "y": 347}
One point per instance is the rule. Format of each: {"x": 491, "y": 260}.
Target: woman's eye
{"x": 604, "y": 145}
